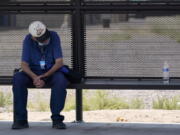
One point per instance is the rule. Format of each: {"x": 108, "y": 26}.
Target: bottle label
{"x": 165, "y": 70}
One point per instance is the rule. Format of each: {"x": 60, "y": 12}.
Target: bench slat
{"x": 115, "y": 84}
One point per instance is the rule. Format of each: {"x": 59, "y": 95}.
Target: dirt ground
{"x": 157, "y": 116}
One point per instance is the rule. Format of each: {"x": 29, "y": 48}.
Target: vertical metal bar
{"x": 77, "y": 43}
{"x": 76, "y": 34}
{"x": 82, "y": 46}
{"x": 79, "y": 111}
{"x": 74, "y": 43}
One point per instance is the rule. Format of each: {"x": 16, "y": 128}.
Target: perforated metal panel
{"x": 13, "y": 29}
{"x": 38, "y": 0}
{"x": 104, "y": 0}
{"x": 131, "y": 0}
{"x": 111, "y": 0}
{"x": 124, "y": 45}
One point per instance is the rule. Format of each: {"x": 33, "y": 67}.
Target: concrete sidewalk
{"x": 44, "y": 128}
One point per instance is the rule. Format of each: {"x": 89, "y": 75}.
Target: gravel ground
{"x": 157, "y": 116}
{"x": 145, "y": 115}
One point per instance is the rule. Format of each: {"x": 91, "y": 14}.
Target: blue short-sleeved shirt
{"x": 32, "y": 54}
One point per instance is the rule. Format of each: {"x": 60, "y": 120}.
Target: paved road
{"x": 44, "y": 128}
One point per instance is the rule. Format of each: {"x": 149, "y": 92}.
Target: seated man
{"x": 41, "y": 61}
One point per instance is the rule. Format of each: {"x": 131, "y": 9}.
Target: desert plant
{"x": 70, "y": 104}
{"x": 136, "y": 103}
{"x": 98, "y": 101}
{"x": 101, "y": 101}
{"x": 114, "y": 37}
{"x": 166, "y": 31}
{"x": 167, "y": 103}
{"x": 5, "y": 99}
{"x": 40, "y": 104}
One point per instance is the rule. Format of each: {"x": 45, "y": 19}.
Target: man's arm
{"x": 25, "y": 63}
{"x": 26, "y": 57}
{"x": 56, "y": 66}
{"x": 36, "y": 79}
{"x": 27, "y": 70}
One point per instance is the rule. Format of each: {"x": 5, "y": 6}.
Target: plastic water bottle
{"x": 166, "y": 73}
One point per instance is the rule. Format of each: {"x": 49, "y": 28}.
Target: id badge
{"x": 42, "y": 64}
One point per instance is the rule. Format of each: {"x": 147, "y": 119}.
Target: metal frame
{"x": 78, "y": 9}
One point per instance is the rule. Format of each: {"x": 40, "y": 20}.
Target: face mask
{"x": 44, "y": 44}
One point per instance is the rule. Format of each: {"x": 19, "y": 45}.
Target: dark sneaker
{"x": 20, "y": 124}
{"x": 58, "y": 125}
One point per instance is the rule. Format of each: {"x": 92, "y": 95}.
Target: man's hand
{"x": 36, "y": 79}
{"x": 38, "y": 82}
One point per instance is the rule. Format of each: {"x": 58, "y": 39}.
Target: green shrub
{"x": 114, "y": 37}
{"x": 97, "y": 101}
{"x": 167, "y": 103}
{"x": 5, "y": 99}
{"x": 101, "y": 101}
{"x": 136, "y": 104}
{"x": 70, "y": 104}
{"x": 166, "y": 31}
{"x": 40, "y": 104}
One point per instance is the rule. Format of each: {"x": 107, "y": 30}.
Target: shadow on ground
{"x": 44, "y": 128}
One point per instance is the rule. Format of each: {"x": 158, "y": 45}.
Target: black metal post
{"x": 77, "y": 44}
{"x": 79, "y": 108}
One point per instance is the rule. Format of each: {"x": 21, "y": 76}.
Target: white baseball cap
{"x": 39, "y": 31}
{"x": 37, "y": 28}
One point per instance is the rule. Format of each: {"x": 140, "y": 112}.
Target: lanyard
{"x": 42, "y": 50}
{"x": 42, "y": 61}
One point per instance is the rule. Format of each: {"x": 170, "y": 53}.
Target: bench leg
{"x": 79, "y": 108}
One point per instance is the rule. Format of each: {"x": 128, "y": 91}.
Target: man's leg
{"x": 58, "y": 83}
{"x": 20, "y": 84}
